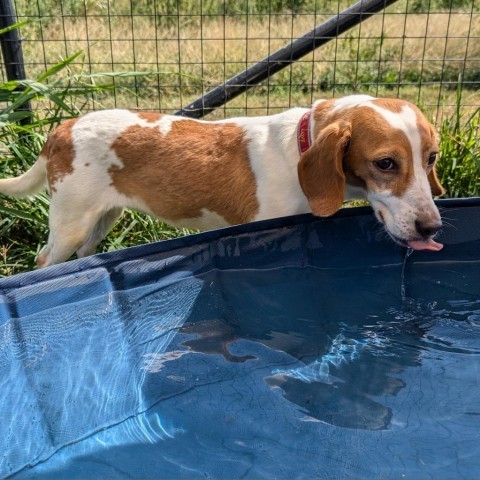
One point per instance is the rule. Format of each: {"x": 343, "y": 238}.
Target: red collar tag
{"x": 303, "y": 133}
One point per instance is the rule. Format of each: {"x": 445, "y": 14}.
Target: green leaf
{"x": 21, "y": 214}
{"x": 6, "y": 118}
{"x": 14, "y": 26}
{"x": 59, "y": 66}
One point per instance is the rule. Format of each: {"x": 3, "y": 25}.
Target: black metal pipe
{"x": 300, "y": 47}
{"x": 11, "y": 45}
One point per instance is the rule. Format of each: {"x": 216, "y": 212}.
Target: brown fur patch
{"x": 377, "y": 142}
{"x": 195, "y": 166}
{"x": 433, "y": 180}
{"x": 323, "y": 116}
{"x": 59, "y": 153}
{"x": 394, "y": 105}
{"x": 320, "y": 170}
{"x": 149, "y": 116}
{"x": 372, "y": 138}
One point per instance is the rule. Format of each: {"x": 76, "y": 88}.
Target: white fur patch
{"x": 351, "y": 101}
{"x": 207, "y": 221}
{"x": 273, "y": 151}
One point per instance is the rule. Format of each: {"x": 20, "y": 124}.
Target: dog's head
{"x": 386, "y": 148}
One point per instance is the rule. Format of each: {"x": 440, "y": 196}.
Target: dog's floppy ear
{"x": 435, "y": 184}
{"x": 320, "y": 170}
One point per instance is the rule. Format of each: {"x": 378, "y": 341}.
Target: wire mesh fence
{"x": 421, "y": 50}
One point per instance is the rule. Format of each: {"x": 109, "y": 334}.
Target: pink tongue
{"x": 429, "y": 244}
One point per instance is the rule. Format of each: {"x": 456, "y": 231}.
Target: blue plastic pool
{"x": 293, "y": 348}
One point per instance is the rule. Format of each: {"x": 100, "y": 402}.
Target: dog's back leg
{"x": 69, "y": 230}
{"x": 100, "y": 230}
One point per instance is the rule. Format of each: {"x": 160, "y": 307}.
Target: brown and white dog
{"x": 206, "y": 175}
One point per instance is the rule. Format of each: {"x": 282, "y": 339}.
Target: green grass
{"x": 459, "y": 165}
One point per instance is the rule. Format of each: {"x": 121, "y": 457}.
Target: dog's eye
{"x": 431, "y": 159}
{"x": 385, "y": 164}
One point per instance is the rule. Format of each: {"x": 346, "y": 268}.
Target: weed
{"x": 459, "y": 165}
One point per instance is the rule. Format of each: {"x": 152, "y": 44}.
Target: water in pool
{"x": 280, "y": 373}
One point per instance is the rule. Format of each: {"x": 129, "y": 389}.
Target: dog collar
{"x": 303, "y": 133}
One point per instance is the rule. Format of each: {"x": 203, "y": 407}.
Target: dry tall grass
{"x": 416, "y": 56}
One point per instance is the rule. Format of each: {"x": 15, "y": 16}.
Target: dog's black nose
{"x": 428, "y": 228}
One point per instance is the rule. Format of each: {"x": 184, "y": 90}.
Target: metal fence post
{"x": 280, "y": 59}
{"x": 12, "y": 49}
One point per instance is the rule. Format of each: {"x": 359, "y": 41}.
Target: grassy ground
{"x": 401, "y": 62}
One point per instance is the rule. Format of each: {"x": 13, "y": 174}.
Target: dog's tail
{"x": 29, "y": 183}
